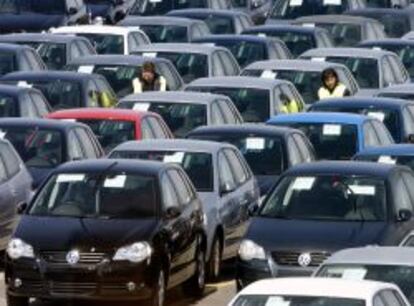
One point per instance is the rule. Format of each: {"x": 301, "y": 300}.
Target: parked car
{"x": 218, "y": 21}
{"x": 115, "y": 126}
{"x": 19, "y": 58}
{"x": 247, "y": 49}
{"x": 55, "y": 50}
{"x": 108, "y": 39}
{"x": 339, "y": 204}
{"x": 45, "y": 144}
{"x": 65, "y": 89}
{"x": 305, "y": 75}
{"x": 109, "y": 11}
{"x": 185, "y": 111}
{"x": 404, "y": 91}
{"x": 320, "y": 291}
{"x": 157, "y": 8}
{"x": 256, "y": 99}
{"x": 258, "y": 10}
{"x": 346, "y": 31}
{"x": 121, "y": 70}
{"x": 194, "y": 61}
{"x": 224, "y": 183}
{"x": 392, "y": 265}
{"x": 298, "y": 39}
{"x": 397, "y": 4}
{"x": 373, "y": 69}
{"x": 38, "y": 16}
{"x": 141, "y": 230}
{"x": 15, "y": 188}
{"x": 397, "y": 22}
{"x": 268, "y": 150}
{"x": 163, "y": 29}
{"x": 337, "y": 136}
{"x": 22, "y": 102}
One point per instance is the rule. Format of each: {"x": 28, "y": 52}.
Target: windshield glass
{"x": 49, "y": 7}
{"x": 344, "y": 35}
{"x": 54, "y": 55}
{"x": 96, "y": 195}
{"x": 197, "y": 165}
{"x": 245, "y": 52}
{"x": 284, "y": 300}
{"x": 8, "y": 63}
{"x": 399, "y": 160}
{"x": 402, "y": 276}
{"x": 149, "y": 8}
{"x": 292, "y": 9}
{"x": 218, "y": 24}
{"x": 395, "y": 26}
{"x": 106, "y": 43}
{"x": 38, "y": 148}
{"x": 164, "y": 34}
{"x": 8, "y": 106}
{"x": 328, "y": 197}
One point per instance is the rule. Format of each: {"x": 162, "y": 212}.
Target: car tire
{"x": 17, "y": 300}
{"x": 214, "y": 264}
{"x": 160, "y": 289}
{"x": 196, "y": 284}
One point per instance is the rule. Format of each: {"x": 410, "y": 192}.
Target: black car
{"x": 19, "y": 58}
{"x": 45, "y": 144}
{"x": 18, "y": 101}
{"x": 40, "y": 15}
{"x": 319, "y": 208}
{"x": 121, "y": 230}
{"x": 65, "y": 89}
{"x": 268, "y": 150}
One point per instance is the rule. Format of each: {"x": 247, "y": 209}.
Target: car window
{"x": 238, "y": 171}
{"x": 217, "y": 116}
{"x": 11, "y": 160}
{"x": 183, "y": 193}
{"x": 370, "y": 137}
{"x": 390, "y": 298}
{"x": 40, "y": 104}
{"x": 170, "y": 198}
{"x": 75, "y": 51}
{"x": 157, "y": 128}
{"x": 398, "y": 69}
{"x": 3, "y": 175}
{"x": 75, "y": 147}
{"x": 225, "y": 172}
{"x": 408, "y": 115}
{"x": 303, "y": 147}
{"x": 228, "y": 112}
{"x": 383, "y": 134}
{"x": 408, "y": 179}
{"x": 378, "y": 301}
{"x": 230, "y": 65}
{"x": 218, "y": 65}
{"x": 34, "y": 60}
{"x": 85, "y": 48}
{"x": 388, "y": 77}
{"x": 146, "y": 131}
{"x": 86, "y": 143}
{"x": 402, "y": 194}
{"x": 107, "y": 97}
{"x": 293, "y": 151}
{"x": 27, "y": 109}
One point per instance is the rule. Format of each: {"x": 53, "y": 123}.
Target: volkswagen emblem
{"x": 73, "y": 257}
{"x": 304, "y": 259}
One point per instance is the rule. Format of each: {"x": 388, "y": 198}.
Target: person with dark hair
{"x": 149, "y": 80}
{"x": 331, "y": 87}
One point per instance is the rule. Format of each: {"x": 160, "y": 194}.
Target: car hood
{"x": 99, "y": 9}
{"x": 29, "y": 22}
{"x": 39, "y": 175}
{"x": 63, "y": 233}
{"x": 305, "y": 235}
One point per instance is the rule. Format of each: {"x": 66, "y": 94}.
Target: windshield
{"x": 344, "y": 35}
{"x": 38, "y": 148}
{"x": 284, "y": 300}
{"x": 402, "y": 276}
{"x": 399, "y": 160}
{"x": 292, "y": 9}
{"x": 164, "y": 34}
{"x": 395, "y": 26}
{"x": 8, "y": 106}
{"x": 106, "y": 43}
{"x": 8, "y": 63}
{"x": 97, "y": 195}
{"x": 218, "y": 24}
{"x": 197, "y": 165}
{"x": 49, "y": 7}
{"x": 149, "y": 8}
{"x": 54, "y": 55}
{"x": 328, "y": 198}
{"x": 245, "y": 52}
{"x": 406, "y": 54}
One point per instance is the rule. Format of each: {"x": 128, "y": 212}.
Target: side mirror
{"x": 72, "y": 10}
{"x": 172, "y": 212}
{"x": 21, "y": 208}
{"x": 410, "y": 138}
{"x": 404, "y": 215}
{"x": 225, "y": 189}
{"x": 253, "y": 209}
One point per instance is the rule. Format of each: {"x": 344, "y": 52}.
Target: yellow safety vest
{"x": 338, "y": 92}
{"x": 291, "y": 107}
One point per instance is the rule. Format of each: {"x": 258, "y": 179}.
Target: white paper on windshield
{"x": 2, "y": 134}
{"x": 210, "y": 44}
{"x": 262, "y": 35}
{"x": 317, "y": 59}
{"x": 332, "y": 130}
{"x": 142, "y": 107}
{"x": 303, "y": 183}
{"x": 155, "y": 1}
{"x": 268, "y": 74}
{"x": 24, "y": 84}
{"x": 174, "y": 158}
{"x": 377, "y": 115}
{"x": 68, "y": 178}
{"x": 295, "y": 2}
{"x": 308, "y": 25}
{"x": 69, "y": 120}
{"x": 115, "y": 182}
{"x": 362, "y": 190}
{"x": 387, "y": 160}
{"x": 377, "y": 48}
{"x": 332, "y": 2}
{"x": 354, "y": 274}
{"x": 255, "y": 143}
{"x": 149, "y": 54}
{"x": 86, "y": 69}
{"x": 276, "y": 301}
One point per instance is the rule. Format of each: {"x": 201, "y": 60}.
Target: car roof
{"x": 244, "y": 129}
{"x": 375, "y": 255}
{"x": 364, "y": 102}
{"x": 13, "y": 90}
{"x": 238, "y": 81}
{"x": 346, "y": 52}
{"x": 235, "y": 37}
{"x": 158, "y": 20}
{"x": 401, "y": 88}
{"x": 95, "y": 29}
{"x": 206, "y": 11}
{"x": 38, "y": 37}
{"x": 179, "y": 48}
{"x": 334, "y": 19}
{"x": 132, "y": 60}
{"x": 174, "y": 96}
{"x": 320, "y": 117}
{"x": 296, "y": 64}
{"x": 387, "y": 41}
{"x": 382, "y": 11}
{"x": 98, "y": 113}
{"x": 284, "y": 27}
{"x": 13, "y": 47}
{"x": 49, "y": 75}
{"x": 316, "y": 287}
{"x": 394, "y": 149}
{"x": 41, "y": 123}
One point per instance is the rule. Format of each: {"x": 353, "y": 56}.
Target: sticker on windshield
{"x": 387, "y": 160}
{"x": 295, "y": 2}
{"x": 268, "y": 74}
{"x": 332, "y": 2}
{"x": 174, "y": 158}
{"x": 377, "y": 115}
{"x": 117, "y": 181}
{"x": 377, "y": 48}
{"x": 308, "y": 25}
{"x": 155, "y": 1}
{"x": 143, "y": 107}
{"x": 354, "y": 274}
{"x": 277, "y": 301}
{"x": 362, "y": 190}
{"x": 255, "y": 143}
{"x": 303, "y": 183}
{"x": 86, "y": 69}
{"x": 210, "y": 44}
{"x": 69, "y": 178}
{"x": 332, "y": 130}
{"x": 262, "y": 35}
{"x": 3, "y": 134}
{"x": 24, "y": 84}
{"x": 69, "y": 120}
{"x": 149, "y": 54}
{"x": 317, "y": 59}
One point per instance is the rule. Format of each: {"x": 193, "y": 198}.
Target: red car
{"x": 115, "y": 126}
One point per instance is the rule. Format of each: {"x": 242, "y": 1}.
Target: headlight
{"x": 17, "y": 248}
{"x": 136, "y": 252}
{"x": 249, "y": 250}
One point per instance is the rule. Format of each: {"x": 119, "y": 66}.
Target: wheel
{"x": 214, "y": 264}
{"x": 17, "y": 301}
{"x": 158, "y": 299}
{"x": 195, "y": 285}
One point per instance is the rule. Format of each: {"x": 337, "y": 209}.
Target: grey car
{"x": 223, "y": 181}
{"x": 405, "y": 91}
{"x": 257, "y": 99}
{"x": 194, "y": 61}
{"x": 346, "y": 31}
{"x": 305, "y": 75}
{"x": 373, "y": 69}
{"x": 185, "y": 111}
{"x": 19, "y": 58}
{"x": 386, "y": 264}
{"x": 15, "y": 189}
{"x": 163, "y": 29}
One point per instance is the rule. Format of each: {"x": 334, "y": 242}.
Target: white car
{"x": 108, "y": 39}
{"x": 321, "y": 292}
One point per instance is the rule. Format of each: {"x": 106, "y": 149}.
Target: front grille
{"x": 291, "y": 258}
{"x": 69, "y": 288}
{"x": 60, "y": 257}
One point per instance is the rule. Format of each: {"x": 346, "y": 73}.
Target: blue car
{"x": 394, "y": 113}
{"x": 337, "y": 136}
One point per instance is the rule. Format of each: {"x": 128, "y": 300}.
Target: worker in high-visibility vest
{"x": 149, "y": 80}
{"x": 331, "y": 87}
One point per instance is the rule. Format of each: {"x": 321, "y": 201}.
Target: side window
{"x": 170, "y": 198}
{"x": 383, "y": 134}
{"x": 27, "y": 108}
{"x": 75, "y": 52}
{"x": 388, "y": 77}
{"x": 156, "y": 127}
{"x": 11, "y": 161}
{"x": 86, "y": 143}
{"x": 225, "y": 173}
{"x": 218, "y": 65}
{"x": 3, "y": 174}
{"x": 304, "y": 148}
{"x": 74, "y": 147}
{"x": 408, "y": 116}
{"x": 398, "y": 68}
{"x": 217, "y": 116}
{"x": 24, "y": 63}
{"x": 146, "y": 131}
{"x": 196, "y": 32}
{"x": 239, "y": 173}
{"x": 230, "y": 65}
{"x": 408, "y": 178}
{"x": 34, "y": 60}
{"x": 93, "y": 94}
{"x": 293, "y": 151}
{"x": 403, "y": 199}
{"x": 370, "y": 137}
{"x": 228, "y": 112}
{"x": 40, "y": 103}
{"x": 378, "y": 301}
{"x": 141, "y": 38}
{"x": 390, "y": 298}
{"x": 84, "y": 48}
{"x": 181, "y": 188}
{"x": 107, "y": 97}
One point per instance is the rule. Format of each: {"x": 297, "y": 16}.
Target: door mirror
{"x": 172, "y": 212}
{"x": 253, "y": 209}
{"x": 225, "y": 189}
{"x": 72, "y": 10}
{"x": 404, "y": 215}
{"x": 410, "y": 138}
{"x": 21, "y": 208}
